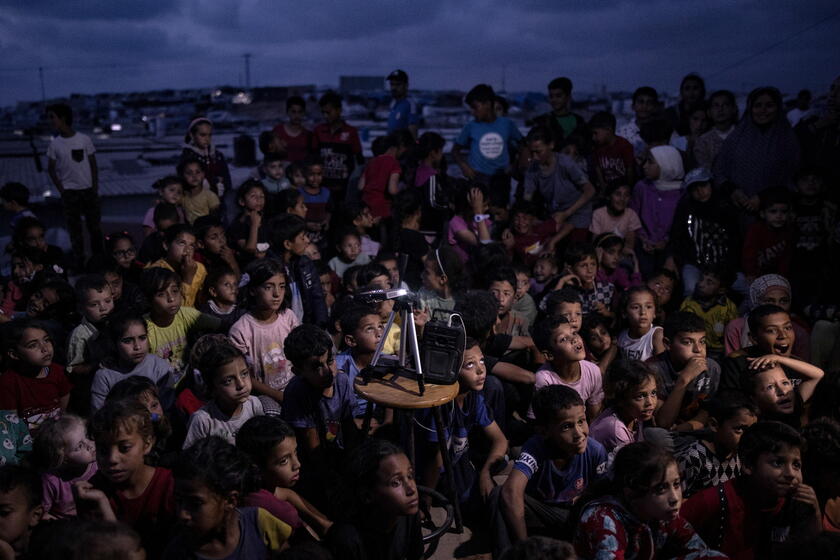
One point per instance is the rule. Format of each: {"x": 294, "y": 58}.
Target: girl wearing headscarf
{"x": 761, "y": 152}
{"x": 655, "y": 200}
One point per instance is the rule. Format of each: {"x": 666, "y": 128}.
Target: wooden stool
{"x": 402, "y": 393}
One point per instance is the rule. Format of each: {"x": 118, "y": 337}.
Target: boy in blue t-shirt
{"x": 362, "y": 329}
{"x": 554, "y": 468}
{"x": 492, "y": 143}
{"x": 469, "y": 411}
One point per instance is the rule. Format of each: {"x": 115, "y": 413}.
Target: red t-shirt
{"x": 377, "y": 175}
{"x": 281, "y": 509}
{"x": 746, "y": 528}
{"x": 297, "y": 147}
{"x": 35, "y": 399}
{"x": 151, "y": 514}
{"x": 614, "y": 161}
{"x": 523, "y": 243}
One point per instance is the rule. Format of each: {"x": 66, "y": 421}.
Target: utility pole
{"x": 247, "y": 57}
{"x": 43, "y": 90}
{"x": 504, "y": 76}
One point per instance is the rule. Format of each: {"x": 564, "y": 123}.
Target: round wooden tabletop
{"x": 402, "y": 392}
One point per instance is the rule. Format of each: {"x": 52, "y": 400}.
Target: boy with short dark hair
{"x": 566, "y": 303}
{"x": 337, "y": 144}
{"x": 164, "y": 216}
{"x": 15, "y": 198}
{"x": 769, "y": 243}
{"x": 272, "y": 173}
{"x": 84, "y": 347}
{"x": 493, "y": 143}
{"x": 712, "y": 458}
{"x": 20, "y": 503}
{"x": 768, "y": 505}
{"x": 289, "y": 241}
{"x": 292, "y": 136}
{"x": 710, "y": 303}
{"x": 645, "y": 106}
{"x": 501, "y": 283}
{"x": 362, "y": 328}
{"x": 318, "y": 404}
{"x": 554, "y": 468}
{"x": 771, "y": 332}
{"x": 561, "y": 121}
{"x": 612, "y": 155}
{"x": 685, "y": 376}
{"x": 72, "y": 168}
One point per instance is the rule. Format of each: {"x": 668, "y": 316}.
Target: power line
{"x": 774, "y": 45}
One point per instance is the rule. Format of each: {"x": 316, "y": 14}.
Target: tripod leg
{"x": 367, "y": 419}
{"x": 447, "y": 466}
{"x": 381, "y": 344}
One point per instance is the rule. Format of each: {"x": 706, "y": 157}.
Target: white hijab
{"x": 671, "y": 170}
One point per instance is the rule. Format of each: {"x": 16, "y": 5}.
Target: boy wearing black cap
{"x": 403, "y": 111}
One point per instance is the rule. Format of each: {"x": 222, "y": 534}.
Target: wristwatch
{"x": 480, "y": 217}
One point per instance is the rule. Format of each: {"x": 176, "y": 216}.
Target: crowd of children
{"x": 650, "y": 367}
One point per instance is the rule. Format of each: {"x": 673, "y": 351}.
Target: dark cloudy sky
{"x": 116, "y": 45}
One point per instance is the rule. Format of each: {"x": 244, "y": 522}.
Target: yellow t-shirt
{"x": 200, "y": 204}
{"x": 190, "y": 291}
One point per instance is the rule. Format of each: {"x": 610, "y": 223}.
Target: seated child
{"x": 630, "y": 390}
{"x": 545, "y": 276}
{"x": 179, "y": 244}
{"x": 272, "y": 173}
{"x": 130, "y": 355}
{"x": 777, "y": 397}
{"x": 566, "y": 303}
{"x": 641, "y": 340}
{"x": 771, "y": 332}
{"x": 775, "y": 290}
{"x": 609, "y": 248}
{"x": 212, "y": 476}
{"x": 581, "y": 262}
{"x": 290, "y": 201}
{"x": 289, "y": 241}
{"x": 616, "y": 217}
{"x": 470, "y": 412}
{"x": 126, "y": 488}
{"x": 565, "y": 364}
{"x": 86, "y": 346}
{"x": 380, "y": 517}
{"x": 349, "y": 250}
{"x": 527, "y": 238}
{"x": 555, "y": 466}
{"x": 168, "y": 435}
{"x": 15, "y": 441}
{"x": 501, "y": 282}
{"x": 769, "y": 243}
{"x": 26, "y": 263}
{"x": 712, "y": 458}
{"x": 228, "y": 380}
{"x": 15, "y": 200}
{"x": 820, "y": 463}
{"x": 709, "y": 302}
{"x": 601, "y": 349}
{"x": 120, "y": 246}
{"x": 375, "y": 277}
{"x": 640, "y": 516}
{"x": 271, "y": 445}
{"x": 20, "y": 492}
{"x": 165, "y": 216}
{"x": 260, "y": 332}
{"x": 523, "y": 303}
{"x": 30, "y": 232}
{"x": 752, "y": 515}
{"x": 198, "y": 199}
{"x": 685, "y": 375}
{"x": 613, "y": 158}
{"x": 318, "y": 403}
{"x": 169, "y": 189}
{"x": 247, "y": 233}
{"x": 221, "y": 289}
{"x": 362, "y": 328}
{"x": 443, "y": 277}
{"x": 316, "y": 197}
{"x": 662, "y": 283}
{"x": 63, "y": 454}
{"x": 170, "y": 324}
{"x": 33, "y": 385}
{"x": 213, "y": 249}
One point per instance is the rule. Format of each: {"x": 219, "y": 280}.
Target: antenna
{"x": 247, "y": 57}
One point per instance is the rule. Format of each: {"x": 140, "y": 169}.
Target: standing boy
{"x": 72, "y": 168}
{"x": 403, "y": 111}
{"x": 562, "y": 122}
{"x": 337, "y": 144}
{"x": 491, "y": 142}
{"x": 613, "y": 156}
{"x": 645, "y": 106}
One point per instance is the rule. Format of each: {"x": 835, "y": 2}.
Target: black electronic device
{"x": 442, "y": 351}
